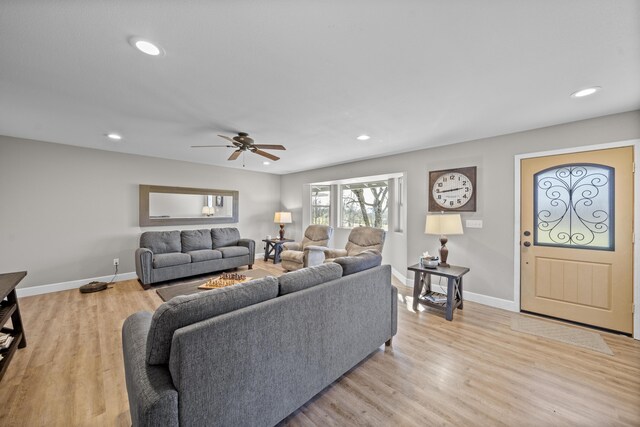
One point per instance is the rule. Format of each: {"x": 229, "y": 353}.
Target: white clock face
{"x": 452, "y": 190}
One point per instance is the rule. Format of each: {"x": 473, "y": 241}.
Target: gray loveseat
{"x": 166, "y": 255}
{"x": 251, "y": 354}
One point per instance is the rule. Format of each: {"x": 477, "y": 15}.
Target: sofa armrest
{"x": 314, "y": 255}
{"x": 144, "y": 265}
{"x": 394, "y": 310}
{"x": 334, "y": 253}
{"x": 292, "y": 246}
{"x": 251, "y": 245}
{"x": 153, "y": 400}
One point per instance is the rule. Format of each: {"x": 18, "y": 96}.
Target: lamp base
{"x": 444, "y": 252}
{"x": 281, "y": 231}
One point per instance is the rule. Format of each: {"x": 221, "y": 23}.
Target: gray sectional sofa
{"x": 166, "y": 255}
{"x": 252, "y": 353}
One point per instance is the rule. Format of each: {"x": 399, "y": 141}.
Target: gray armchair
{"x": 360, "y": 239}
{"x": 310, "y": 251}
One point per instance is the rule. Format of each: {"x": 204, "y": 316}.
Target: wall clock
{"x": 453, "y": 190}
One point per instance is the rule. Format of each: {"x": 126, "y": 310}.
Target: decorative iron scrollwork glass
{"x": 573, "y": 207}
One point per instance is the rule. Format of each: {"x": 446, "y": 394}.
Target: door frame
{"x": 636, "y": 218}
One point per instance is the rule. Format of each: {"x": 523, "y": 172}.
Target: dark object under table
{"x": 272, "y": 249}
{"x": 9, "y": 309}
{"x": 422, "y": 279}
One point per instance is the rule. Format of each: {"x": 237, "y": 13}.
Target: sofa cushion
{"x": 168, "y": 260}
{"x": 161, "y": 242}
{"x": 227, "y": 236}
{"x": 194, "y": 240}
{"x": 185, "y": 310}
{"x": 234, "y": 251}
{"x": 205, "y": 255}
{"x": 362, "y": 261}
{"x": 308, "y": 277}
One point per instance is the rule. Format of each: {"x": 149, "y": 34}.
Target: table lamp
{"x": 208, "y": 210}
{"x": 282, "y": 218}
{"x": 443, "y": 224}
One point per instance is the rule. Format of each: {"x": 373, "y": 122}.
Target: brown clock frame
{"x": 469, "y": 172}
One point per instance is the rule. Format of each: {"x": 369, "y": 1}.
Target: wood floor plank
{"x": 472, "y": 371}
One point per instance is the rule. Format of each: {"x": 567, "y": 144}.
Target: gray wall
{"x": 487, "y": 251}
{"x": 67, "y": 212}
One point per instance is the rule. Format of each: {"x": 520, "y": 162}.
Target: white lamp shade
{"x": 445, "y": 224}
{"x": 208, "y": 210}
{"x": 282, "y": 218}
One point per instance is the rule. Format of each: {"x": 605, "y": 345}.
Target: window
{"x": 320, "y": 204}
{"x": 365, "y": 203}
{"x": 573, "y": 207}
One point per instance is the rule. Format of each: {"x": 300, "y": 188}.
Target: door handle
{"x": 527, "y": 244}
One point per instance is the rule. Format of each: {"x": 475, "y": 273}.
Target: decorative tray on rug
{"x": 227, "y": 279}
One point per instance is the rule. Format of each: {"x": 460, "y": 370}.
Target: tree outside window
{"x": 320, "y": 204}
{"x": 365, "y": 204}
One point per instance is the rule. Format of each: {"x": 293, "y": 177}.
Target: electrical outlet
{"x": 116, "y": 261}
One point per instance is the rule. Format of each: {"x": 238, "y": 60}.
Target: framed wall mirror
{"x": 161, "y": 205}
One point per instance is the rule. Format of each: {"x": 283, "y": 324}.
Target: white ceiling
{"x": 311, "y": 75}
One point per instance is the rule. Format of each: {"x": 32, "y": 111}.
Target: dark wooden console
{"x": 9, "y": 309}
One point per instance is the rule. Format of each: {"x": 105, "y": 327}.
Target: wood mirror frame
{"x": 145, "y": 220}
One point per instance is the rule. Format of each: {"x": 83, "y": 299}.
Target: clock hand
{"x": 452, "y": 189}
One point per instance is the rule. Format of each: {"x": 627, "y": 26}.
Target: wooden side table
{"x": 422, "y": 279}
{"x": 272, "y": 249}
{"x": 9, "y": 308}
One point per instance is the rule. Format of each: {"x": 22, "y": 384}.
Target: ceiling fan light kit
{"x": 242, "y": 142}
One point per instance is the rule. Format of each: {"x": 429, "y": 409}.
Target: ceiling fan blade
{"x": 265, "y": 154}
{"x": 234, "y": 155}
{"x": 209, "y": 146}
{"x": 269, "y": 146}
{"x": 235, "y": 143}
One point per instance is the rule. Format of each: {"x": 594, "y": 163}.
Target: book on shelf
{"x": 5, "y": 345}
{"x": 437, "y": 298}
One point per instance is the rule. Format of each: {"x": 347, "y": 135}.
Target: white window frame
{"x": 330, "y": 205}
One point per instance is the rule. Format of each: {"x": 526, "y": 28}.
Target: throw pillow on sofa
{"x": 185, "y": 310}
{"x": 161, "y": 242}
{"x": 195, "y": 240}
{"x": 227, "y": 236}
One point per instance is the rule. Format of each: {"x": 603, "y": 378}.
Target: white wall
{"x": 66, "y": 212}
{"x": 487, "y": 251}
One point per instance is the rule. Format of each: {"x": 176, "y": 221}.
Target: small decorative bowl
{"x": 430, "y": 262}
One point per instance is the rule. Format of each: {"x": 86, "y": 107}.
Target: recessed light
{"x": 266, "y": 163}
{"x": 585, "y": 92}
{"x": 114, "y": 136}
{"x": 363, "y": 137}
{"x": 145, "y": 46}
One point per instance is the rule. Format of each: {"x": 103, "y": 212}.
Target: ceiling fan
{"x": 243, "y": 143}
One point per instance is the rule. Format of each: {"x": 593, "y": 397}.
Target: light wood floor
{"x": 472, "y": 371}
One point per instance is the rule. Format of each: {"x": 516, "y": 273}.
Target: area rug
{"x": 191, "y": 286}
{"x": 566, "y": 334}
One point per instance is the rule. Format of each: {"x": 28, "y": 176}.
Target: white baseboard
{"x": 402, "y": 278}
{"x": 504, "y": 304}
{"x": 74, "y": 284}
